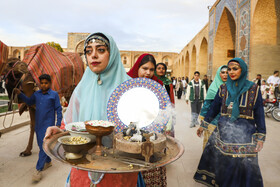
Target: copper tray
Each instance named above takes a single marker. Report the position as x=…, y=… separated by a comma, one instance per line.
x=119, y=162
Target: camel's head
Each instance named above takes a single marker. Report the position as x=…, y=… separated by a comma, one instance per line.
x=14, y=64
x=13, y=72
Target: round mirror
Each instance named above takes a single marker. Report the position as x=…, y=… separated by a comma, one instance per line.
x=138, y=105
x=142, y=101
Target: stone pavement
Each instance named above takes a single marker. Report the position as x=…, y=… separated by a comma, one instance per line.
x=17, y=171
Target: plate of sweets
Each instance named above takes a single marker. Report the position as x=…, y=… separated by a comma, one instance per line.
x=99, y=127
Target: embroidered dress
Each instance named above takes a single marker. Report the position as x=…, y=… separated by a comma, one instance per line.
x=229, y=158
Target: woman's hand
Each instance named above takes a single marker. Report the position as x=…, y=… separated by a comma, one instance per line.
x=259, y=146
x=199, y=131
x=52, y=131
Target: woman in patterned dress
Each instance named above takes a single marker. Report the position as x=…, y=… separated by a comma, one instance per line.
x=230, y=157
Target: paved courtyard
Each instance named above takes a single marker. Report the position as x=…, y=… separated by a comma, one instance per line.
x=17, y=171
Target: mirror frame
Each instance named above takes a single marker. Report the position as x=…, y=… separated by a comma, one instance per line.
x=159, y=91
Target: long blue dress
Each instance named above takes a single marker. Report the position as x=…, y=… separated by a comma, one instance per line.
x=229, y=158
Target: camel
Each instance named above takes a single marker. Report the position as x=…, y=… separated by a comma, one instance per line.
x=18, y=74
x=66, y=70
x=14, y=72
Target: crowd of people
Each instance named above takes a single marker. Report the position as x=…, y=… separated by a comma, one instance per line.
x=105, y=72
x=230, y=110
x=232, y=122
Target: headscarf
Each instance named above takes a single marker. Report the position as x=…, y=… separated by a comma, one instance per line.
x=237, y=87
x=89, y=99
x=164, y=79
x=215, y=85
x=133, y=72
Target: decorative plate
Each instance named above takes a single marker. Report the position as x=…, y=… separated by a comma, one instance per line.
x=163, y=98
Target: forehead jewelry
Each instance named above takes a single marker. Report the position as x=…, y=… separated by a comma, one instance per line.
x=234, y=63
x=94, y=40
x=224, y=69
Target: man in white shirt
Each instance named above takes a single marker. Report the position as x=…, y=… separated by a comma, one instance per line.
x=196, y=94
x=274, y=79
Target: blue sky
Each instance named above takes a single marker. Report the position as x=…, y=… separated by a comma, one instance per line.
x=146, y=25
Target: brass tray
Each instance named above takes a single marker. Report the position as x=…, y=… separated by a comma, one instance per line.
x=114, y=161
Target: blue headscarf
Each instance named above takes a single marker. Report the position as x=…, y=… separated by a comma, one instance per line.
x=89, y=99
x=215, y=85
x=237, y=87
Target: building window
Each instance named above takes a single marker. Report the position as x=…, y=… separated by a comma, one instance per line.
x=124, y=60
x=230, y=53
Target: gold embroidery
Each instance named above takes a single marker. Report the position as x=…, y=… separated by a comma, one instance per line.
x=237, y=155
x=240, y=116
x=201, y=117
x=242, y=147
x=206, y=173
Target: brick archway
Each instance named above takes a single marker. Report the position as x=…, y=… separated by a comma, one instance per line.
x=182, y=68
x=224, y=42
x=265, y=39
x=135, y=58
x=187, y=64
x=193, y=62
x=16, y=54
x=166, y=60
x=203, y=57
x=80, y=47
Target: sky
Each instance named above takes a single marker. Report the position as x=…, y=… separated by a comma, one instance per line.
x=142, y=25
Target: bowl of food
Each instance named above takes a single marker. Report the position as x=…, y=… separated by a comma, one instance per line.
x=74, y=146
x=99, y=127
x=79, y=129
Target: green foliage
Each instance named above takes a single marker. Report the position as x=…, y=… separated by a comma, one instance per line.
x=4, y=98
x=5, y=108
x=55, y=45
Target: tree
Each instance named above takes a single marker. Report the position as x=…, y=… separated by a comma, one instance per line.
x=55, y=45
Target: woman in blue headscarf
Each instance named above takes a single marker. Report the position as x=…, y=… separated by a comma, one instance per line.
x=89, y=100
x=220, y=78
x=230, y=157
